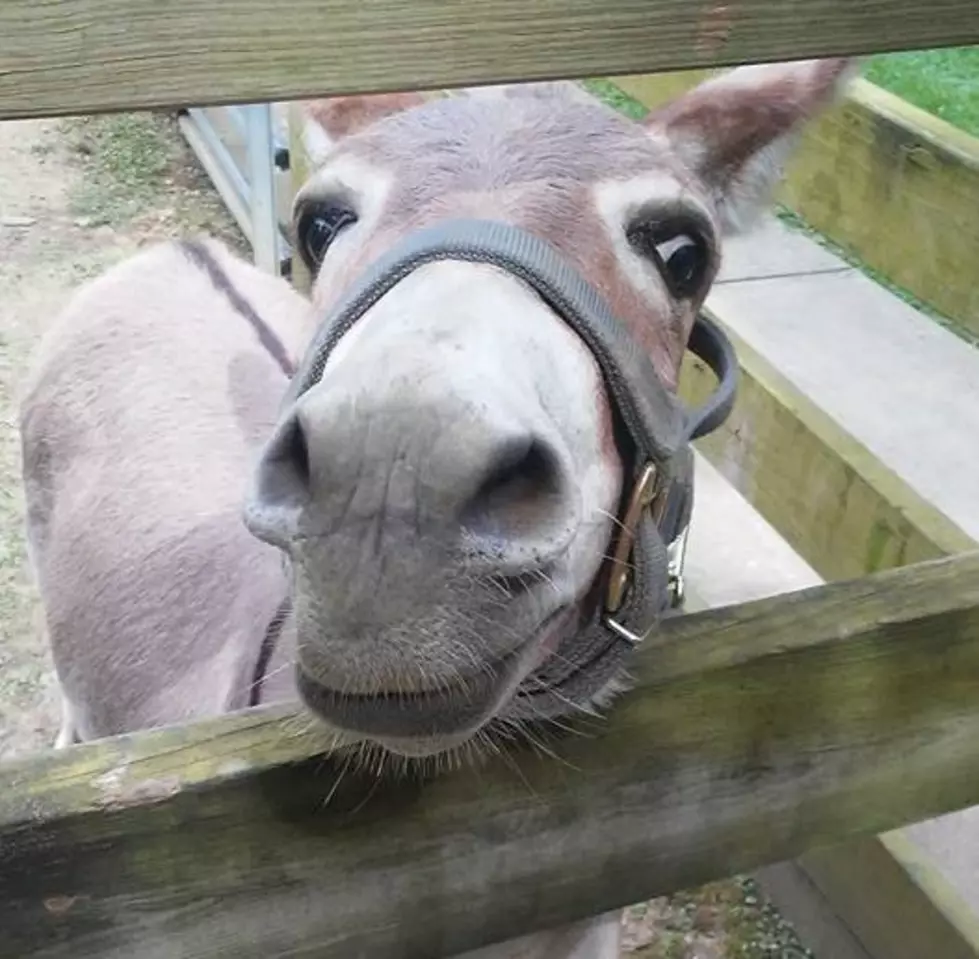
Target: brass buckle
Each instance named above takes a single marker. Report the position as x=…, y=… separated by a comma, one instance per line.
x=620, y=573
x=645, y=495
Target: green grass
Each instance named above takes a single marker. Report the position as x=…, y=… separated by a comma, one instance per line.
x=730, y=919
x=126, y=158
x=611, y=95
x=943, y=82
x=139, y=175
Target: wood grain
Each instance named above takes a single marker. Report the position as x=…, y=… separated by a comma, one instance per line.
x=898, y=187
x=755, y=732
x=79, y=56
x=894, y=899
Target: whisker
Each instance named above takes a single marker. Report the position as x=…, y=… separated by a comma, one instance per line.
x=567, y=727
x=510, y=762
x=339, y=779
x=523, y=729
x=547, y=580
x=253, y=683
x=494, y=579
x=615, y=519
x=584, y=709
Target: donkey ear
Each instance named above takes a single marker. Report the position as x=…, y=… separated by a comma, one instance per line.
x=328, y=121
x=737, y=130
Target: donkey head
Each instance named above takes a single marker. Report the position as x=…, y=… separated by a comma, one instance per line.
x=447, y=487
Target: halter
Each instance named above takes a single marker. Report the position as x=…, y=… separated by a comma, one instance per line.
x=645, y=571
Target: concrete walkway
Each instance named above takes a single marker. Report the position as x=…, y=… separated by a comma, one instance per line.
x=904, y=386
x=898, y=382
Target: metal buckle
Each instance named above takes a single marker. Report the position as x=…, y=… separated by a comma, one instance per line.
x=645, y=495
x=620, y=574
x=677, y=552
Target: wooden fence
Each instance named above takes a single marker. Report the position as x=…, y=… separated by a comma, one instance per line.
x=80, y=56
x=755, y=733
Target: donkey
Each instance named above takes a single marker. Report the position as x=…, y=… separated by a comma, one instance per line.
x=405, y=521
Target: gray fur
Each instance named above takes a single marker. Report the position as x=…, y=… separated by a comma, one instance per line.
x=148, y=402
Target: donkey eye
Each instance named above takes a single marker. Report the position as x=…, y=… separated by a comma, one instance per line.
x=684, y=262
x=681, y=256
x=318, y=226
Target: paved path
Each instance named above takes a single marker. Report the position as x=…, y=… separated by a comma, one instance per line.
x=904, y=386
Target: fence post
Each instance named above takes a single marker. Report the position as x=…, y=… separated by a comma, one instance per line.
x=261, y=176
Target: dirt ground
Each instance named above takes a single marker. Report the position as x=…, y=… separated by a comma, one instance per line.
x=76, y=196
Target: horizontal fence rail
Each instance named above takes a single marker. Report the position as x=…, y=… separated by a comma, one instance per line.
x=755, y=732
x=82, y=56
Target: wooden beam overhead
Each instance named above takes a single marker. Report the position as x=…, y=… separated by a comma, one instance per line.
x=85, y=56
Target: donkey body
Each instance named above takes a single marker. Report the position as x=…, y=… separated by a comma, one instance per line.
x=155, y=595
x=439, y=505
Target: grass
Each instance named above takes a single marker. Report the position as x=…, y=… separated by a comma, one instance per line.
x=612, y=96
x=126, y=159
x=721, y=920
x=138, y=172
x=943, y=82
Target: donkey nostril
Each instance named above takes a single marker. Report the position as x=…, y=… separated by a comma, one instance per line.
x=297, y=453
x=521, y=486
x=521, y=467
x=284, y=475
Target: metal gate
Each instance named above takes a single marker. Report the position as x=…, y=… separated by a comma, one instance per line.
x=245, y=150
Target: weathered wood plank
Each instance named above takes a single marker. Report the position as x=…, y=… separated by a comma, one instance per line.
x=791, y=890
x=755, y=732
x=894, y=899
x=896, y=186
x=77, y=56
